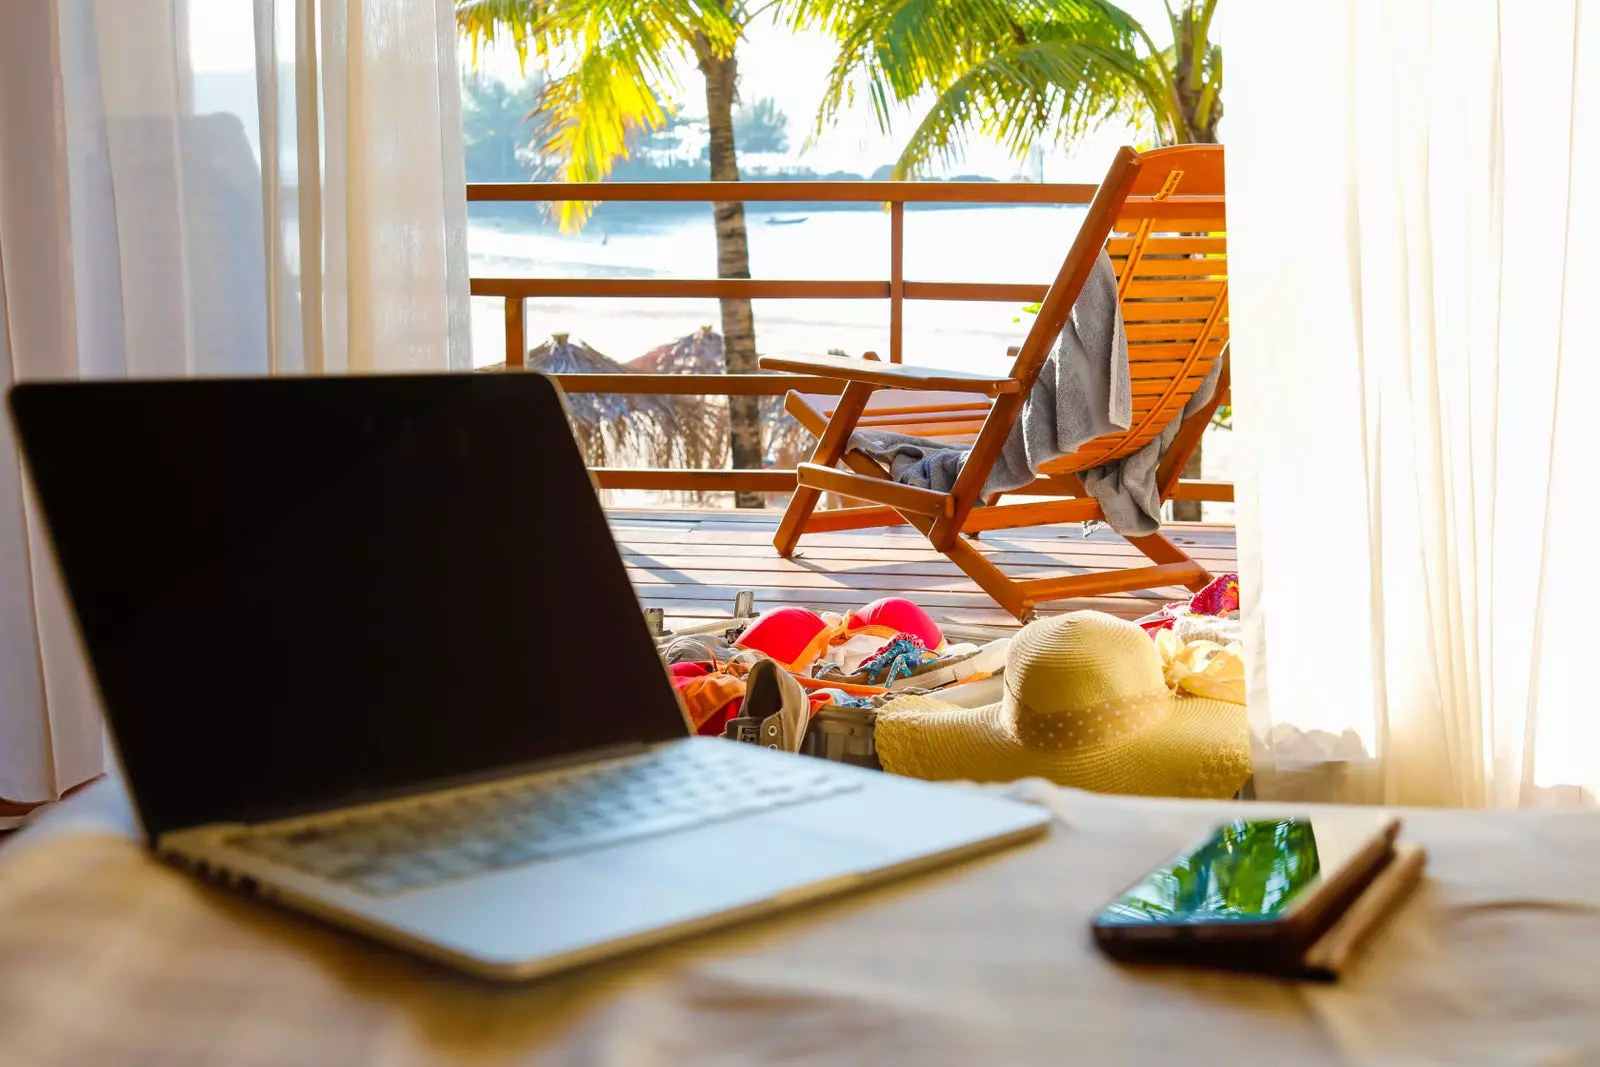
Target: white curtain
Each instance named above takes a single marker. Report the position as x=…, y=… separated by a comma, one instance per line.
x=1414, y=213
x=207, y=187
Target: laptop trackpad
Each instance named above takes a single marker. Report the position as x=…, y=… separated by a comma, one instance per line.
x=567, y=905
x=739, y=862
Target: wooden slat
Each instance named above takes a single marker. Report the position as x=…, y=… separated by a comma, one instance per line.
x=897, y=281
x=696, y=384
x=750, y=528
x=834, y=519
x=1145, y=370
x=760, y=289
x=751, y=192
x=905, y=403
x=1166, y=331
x=868, y=545
x=1161, y=350
x=1211, y=266
x=950, y=417
x=891, y=375
x=680, y=288
x=849, y=560
x=1002, y=292
x=1156, y=386
x=1166, y=310
x=1168, y=246
x=516, y=333
x=901, y=497
x=924, y=425
x=662, y=479
x=1013, y=516
x=1160, y=576
x=1173, y=289
x=1183, y=220
x=1180, y=207
x=805, y=580
x=1219, y=492
x=944, y=608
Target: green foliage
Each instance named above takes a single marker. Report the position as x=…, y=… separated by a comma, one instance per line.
x=1022, y=72
x=1028, y=309
x=612, y=65
x=761, y=127
x=498, y=128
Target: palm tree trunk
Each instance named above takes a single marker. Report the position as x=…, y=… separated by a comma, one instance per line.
x=733, y=261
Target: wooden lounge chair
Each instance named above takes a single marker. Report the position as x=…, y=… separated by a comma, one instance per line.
x=1161, y=217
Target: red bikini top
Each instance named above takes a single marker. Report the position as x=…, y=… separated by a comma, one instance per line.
x=798, y=637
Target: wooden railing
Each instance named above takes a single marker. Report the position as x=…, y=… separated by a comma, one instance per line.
x=895, y=289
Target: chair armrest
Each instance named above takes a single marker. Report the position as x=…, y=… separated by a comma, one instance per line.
x=892, y=375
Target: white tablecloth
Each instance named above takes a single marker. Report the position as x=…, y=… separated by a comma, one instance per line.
x=108, y=958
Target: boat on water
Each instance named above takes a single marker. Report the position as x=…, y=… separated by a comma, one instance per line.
x=787, y=220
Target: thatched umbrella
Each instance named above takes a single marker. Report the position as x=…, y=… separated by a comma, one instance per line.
x=695, y=353
x=785, y=444
x=604, y=423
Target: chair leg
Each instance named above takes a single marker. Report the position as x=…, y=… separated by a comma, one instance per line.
x=989, y=501
x=830, y=446
x=1161, y=550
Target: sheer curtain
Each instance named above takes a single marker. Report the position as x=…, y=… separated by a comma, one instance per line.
x=1413, y=220
x=207, y=187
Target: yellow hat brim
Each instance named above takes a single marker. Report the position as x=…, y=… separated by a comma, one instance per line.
x=1201, y=748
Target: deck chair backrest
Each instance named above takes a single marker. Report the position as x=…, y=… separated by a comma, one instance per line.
x=1169, y=247
x=1054, y=309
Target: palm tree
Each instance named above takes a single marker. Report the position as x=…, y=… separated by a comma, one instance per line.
x=613, y=59
x=1022, y=72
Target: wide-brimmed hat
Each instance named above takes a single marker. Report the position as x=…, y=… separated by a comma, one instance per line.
x=1086, y=704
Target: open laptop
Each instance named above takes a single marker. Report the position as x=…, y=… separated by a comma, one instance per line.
x=368, y=650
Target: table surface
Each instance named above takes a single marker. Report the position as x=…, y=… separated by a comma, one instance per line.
x=109, y=958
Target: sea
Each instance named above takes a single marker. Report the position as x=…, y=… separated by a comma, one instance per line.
x=977, y=244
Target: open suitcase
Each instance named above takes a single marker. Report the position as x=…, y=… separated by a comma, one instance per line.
x=835, y=733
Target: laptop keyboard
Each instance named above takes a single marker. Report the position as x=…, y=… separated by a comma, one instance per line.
x=436, y=839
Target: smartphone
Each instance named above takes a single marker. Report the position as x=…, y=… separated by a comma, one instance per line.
x=1253, y=893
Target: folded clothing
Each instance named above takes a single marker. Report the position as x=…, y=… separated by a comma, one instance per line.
x=710, y=697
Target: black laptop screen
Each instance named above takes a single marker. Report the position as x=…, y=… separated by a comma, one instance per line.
x=301, y=592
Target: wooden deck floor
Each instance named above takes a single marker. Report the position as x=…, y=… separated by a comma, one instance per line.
x=692, y=562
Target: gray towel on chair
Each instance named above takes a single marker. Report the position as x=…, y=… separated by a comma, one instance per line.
x=1084, y=390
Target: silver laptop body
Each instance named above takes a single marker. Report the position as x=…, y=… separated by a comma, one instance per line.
x=368, y=651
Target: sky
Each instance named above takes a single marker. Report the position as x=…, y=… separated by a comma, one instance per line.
x=774, y=62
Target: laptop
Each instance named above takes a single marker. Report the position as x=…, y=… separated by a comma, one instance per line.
x=368, y=650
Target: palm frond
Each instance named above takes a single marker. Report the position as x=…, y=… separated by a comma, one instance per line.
x=1057, y=89
x=610, y=62
x=900, y=49
x=591, y=109
x=536, y=25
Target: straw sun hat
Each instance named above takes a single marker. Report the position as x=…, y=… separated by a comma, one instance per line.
x=1086, y=704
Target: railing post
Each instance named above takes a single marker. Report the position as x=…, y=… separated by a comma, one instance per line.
x=516, y=333
x=897, y=278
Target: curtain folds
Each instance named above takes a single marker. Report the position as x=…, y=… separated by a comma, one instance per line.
x=1411, y=221
x=207, y=187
